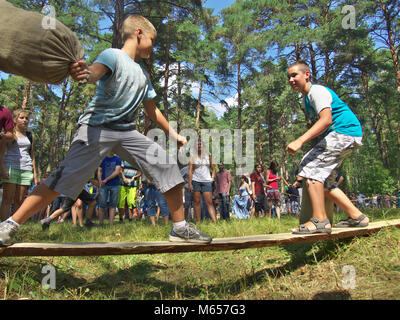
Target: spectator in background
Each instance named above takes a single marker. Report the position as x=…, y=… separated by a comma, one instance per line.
x=188, y=196
x=224, y=180
x=6, y=125
x=153, y=199
x=294, y=197
x=387, y=201
x=374, y=201
x=200, y=181
x=241, y=202
x=127, y=190
x=257, y=190
x=19, y=165
x=75, y=206
x=361, y=199
x=108, y=175
x=273, y=194
x=339, y=179
x=398, y=199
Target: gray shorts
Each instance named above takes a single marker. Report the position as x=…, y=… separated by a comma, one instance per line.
x=322, y=162
x=91, y=145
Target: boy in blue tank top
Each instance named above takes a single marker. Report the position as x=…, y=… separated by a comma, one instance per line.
x=341, y=133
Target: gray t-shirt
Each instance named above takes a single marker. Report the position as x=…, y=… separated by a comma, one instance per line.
x=118, y=94
x=17, y=154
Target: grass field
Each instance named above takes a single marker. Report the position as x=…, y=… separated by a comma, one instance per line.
x=309, y=271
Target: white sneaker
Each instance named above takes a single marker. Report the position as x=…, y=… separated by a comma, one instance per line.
x=7, y=231
x=189, y=233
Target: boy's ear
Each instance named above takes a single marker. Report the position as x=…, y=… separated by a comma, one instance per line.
x=308, y=74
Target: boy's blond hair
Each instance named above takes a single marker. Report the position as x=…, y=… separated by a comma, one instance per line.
x=303, y=66
x=132, y=23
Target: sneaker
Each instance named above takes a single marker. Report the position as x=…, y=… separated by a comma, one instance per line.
x=7, y=231
x=45, y=223
x=189, y=234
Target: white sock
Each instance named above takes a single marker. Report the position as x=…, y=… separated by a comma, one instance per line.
x=179, y=225
x=13, y=222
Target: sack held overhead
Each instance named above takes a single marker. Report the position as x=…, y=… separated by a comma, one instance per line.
x=33, y=50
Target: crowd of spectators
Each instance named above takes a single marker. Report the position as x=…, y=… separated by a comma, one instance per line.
x=120, y=191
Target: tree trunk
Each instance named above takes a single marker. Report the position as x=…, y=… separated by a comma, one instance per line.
x=239, y=89
x=27, y=94
x=327, y=67
x=259, y=149
x=166, y=72
x=179, y=99
x=40, y=143
x=297, y=51
x=269, y=124
x=375, y=121
x=198, y=108
x=313, y=63
x=392, y=47
x=283, y=143
x=118, y=19
x=64, y=102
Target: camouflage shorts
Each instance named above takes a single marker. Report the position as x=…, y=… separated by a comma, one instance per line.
x=321, y=163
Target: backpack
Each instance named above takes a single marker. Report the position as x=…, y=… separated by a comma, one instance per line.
x=30, y=137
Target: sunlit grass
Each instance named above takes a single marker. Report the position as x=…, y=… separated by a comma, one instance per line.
x=308, y=271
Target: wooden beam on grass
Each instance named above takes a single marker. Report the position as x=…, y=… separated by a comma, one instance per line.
x=221, y=244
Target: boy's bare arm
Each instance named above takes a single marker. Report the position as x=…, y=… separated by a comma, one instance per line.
x=323, y=123
x=116, y=172
x=156, y=116
x=213, y=172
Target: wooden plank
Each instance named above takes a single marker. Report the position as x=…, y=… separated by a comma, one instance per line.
x=123, y=248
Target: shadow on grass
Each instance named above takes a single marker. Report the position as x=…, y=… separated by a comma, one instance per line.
x=149, y=287
x=332, y=295
x=143, y=281
x=299, y=256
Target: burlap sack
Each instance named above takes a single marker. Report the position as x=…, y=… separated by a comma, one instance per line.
x=41, y=54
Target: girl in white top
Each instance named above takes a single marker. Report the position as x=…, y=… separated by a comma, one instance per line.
x=200, y=181
x=19, y=163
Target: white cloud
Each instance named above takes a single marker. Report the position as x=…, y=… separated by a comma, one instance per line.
x=216, y=106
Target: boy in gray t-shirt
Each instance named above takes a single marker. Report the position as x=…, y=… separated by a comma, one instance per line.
x=108, y=124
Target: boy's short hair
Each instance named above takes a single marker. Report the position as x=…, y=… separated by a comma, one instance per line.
x=132, y=23
x=301, y=64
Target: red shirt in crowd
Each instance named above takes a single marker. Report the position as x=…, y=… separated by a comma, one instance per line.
x=258, y=186
x=6, y=120
x=223, y=180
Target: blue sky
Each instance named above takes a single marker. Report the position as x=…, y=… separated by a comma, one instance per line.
x=218, y=4
x=207, y=100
